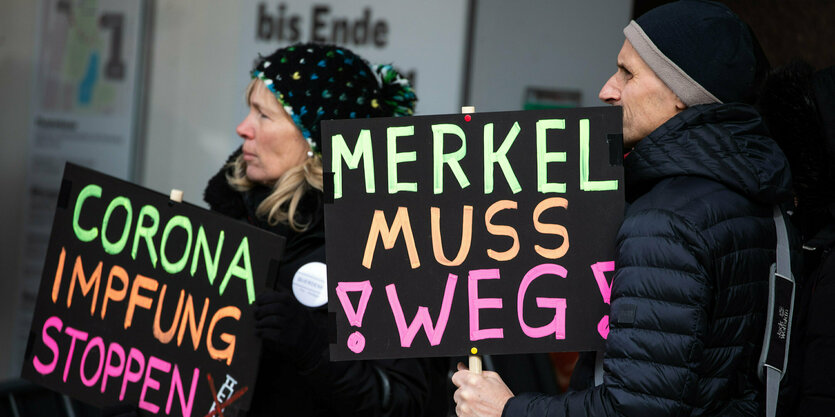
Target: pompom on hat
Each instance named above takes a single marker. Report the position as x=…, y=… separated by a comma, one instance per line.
x=315, y=82
x=701, y=50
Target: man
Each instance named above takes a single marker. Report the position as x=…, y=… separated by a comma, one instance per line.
x=693, y=254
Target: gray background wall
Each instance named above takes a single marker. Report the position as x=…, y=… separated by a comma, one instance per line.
x=566, y=44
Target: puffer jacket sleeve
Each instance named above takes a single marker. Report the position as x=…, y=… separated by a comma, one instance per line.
x=658, y=321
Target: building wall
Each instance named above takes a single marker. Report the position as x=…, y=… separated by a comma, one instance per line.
x=192, y=104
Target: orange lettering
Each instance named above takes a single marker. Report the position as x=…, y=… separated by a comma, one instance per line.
x=167, y=335
x=59, y=272
x=112, y=294
x=86, y=285
x=229, y=351
x=466, y=237
x=554, y=229
x=379, y=227
x=188, y=316
x=139, y=300
x=500, y=230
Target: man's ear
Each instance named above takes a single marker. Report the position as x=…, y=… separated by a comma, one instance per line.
x=680, y=104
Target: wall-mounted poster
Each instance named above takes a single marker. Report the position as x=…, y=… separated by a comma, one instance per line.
x=86, y=103
x=487, y=232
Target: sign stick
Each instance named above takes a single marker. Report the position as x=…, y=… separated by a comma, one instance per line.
x=176, y=195
x=475, y=359
x=91, y=199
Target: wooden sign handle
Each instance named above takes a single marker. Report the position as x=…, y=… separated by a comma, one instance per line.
x=176, y=195
x=475, y=362
x=475, y=358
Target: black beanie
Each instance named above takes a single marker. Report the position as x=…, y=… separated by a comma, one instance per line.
x=701, y=50
x=315, y=82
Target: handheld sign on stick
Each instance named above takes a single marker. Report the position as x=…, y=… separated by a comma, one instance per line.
x=488, y=233
x=475, y=358
x=145, y=299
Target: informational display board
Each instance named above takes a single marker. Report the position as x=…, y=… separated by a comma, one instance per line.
x=146, y=301
x=425, y=40
x=85, y=109
x=487, y=232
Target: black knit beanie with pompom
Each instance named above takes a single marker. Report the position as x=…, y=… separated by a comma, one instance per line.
x=315, y=82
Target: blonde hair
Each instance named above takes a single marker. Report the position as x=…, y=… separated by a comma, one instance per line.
x=283, y=202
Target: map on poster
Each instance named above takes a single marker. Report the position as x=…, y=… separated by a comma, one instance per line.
x=83, y=58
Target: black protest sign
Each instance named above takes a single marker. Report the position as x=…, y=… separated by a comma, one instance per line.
x=490, y=232
x=146, y=301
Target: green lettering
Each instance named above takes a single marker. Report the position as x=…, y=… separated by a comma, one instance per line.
x=393, y=158
x=185, y=223
x=110, y=247
x=543, y=157
x=91, y=190
x=440, y=158
x=585, y=184
x=362, y=150
x=500, y=157
x=211, y=263
x=146, y=232
x=244, y=273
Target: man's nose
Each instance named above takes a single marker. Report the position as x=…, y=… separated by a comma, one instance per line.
x=610, y=93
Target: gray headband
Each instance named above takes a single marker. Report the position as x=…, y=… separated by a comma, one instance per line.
x=687, y=89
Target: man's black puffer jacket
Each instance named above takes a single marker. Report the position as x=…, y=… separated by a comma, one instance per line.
x=690, y=288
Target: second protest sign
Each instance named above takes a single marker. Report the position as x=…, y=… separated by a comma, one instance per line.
x=147, y=301
x=492, y=231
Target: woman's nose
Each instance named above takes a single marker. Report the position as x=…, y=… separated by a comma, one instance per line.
x=244, y=129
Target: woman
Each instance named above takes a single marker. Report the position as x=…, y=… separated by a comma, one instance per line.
x=274, y=181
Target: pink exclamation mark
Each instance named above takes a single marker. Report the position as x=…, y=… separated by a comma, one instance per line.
x=356, y=341
x=605, y=291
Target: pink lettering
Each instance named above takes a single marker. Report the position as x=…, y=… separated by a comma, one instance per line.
x=422, y=318
x=342, y=289
x=75, y=334
x=177, y=383
x=476, y=304
x=603, y=327
x=135, y=356
x=153, y=363
x=109, y=368
x=95, y=342
x=556, y=326
x=605, y=290
x=356, y=342
x=42, y=368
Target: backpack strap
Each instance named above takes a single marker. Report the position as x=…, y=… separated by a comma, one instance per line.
x=775, y=351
